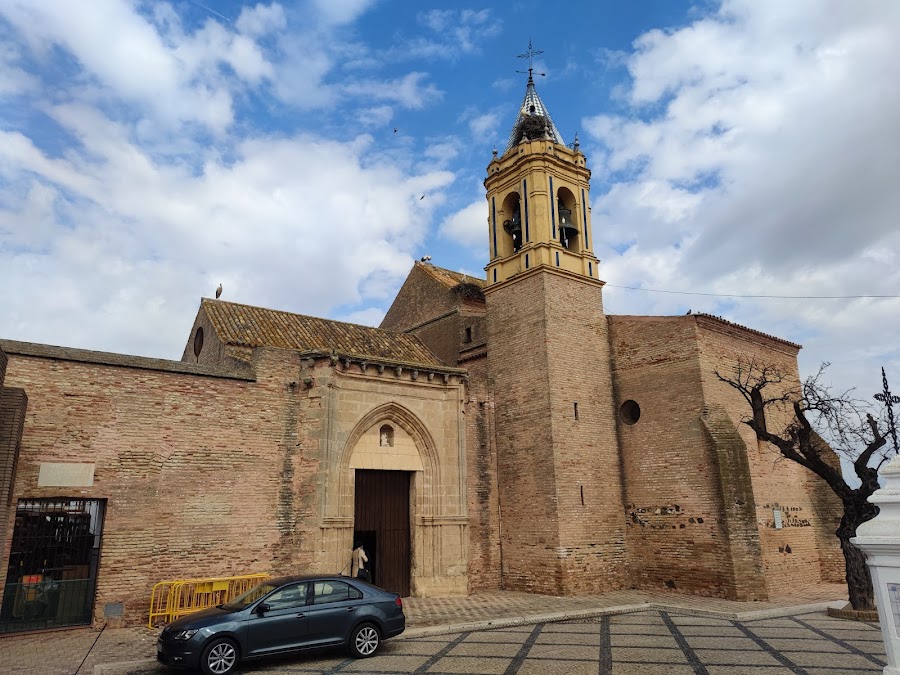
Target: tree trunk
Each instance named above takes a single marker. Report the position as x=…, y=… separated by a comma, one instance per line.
x=859, y=581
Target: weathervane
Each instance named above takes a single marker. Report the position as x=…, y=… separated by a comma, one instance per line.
x=530, y=54
x=889, y=400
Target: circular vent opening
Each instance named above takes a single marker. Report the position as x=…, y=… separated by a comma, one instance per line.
x=630, y=412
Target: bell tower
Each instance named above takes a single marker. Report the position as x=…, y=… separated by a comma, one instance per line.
x=558, y=465
x=537, y=192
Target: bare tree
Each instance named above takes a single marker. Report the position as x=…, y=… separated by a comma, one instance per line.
x=801, y=423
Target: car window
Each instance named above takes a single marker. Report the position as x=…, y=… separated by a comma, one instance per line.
x=333, y=591
x=289, y=596
x=249, y=597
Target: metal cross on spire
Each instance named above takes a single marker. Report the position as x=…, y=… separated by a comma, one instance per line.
x=889, y=400
x=530, y=54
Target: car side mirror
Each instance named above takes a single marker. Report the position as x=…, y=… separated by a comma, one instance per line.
x=261, y=608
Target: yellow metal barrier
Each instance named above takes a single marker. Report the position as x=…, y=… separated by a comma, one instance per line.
x=173, y=599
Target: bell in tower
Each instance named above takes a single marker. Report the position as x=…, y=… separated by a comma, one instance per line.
x=513, y=227
x=567, y=230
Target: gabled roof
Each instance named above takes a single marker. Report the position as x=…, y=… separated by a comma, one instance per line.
x=449, y=278
x=533, y=118
x=247, y=326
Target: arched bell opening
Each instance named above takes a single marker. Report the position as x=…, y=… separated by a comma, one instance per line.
x=512, y=222
x=568, y=225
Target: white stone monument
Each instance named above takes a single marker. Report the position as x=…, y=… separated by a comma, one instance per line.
x=879, y=539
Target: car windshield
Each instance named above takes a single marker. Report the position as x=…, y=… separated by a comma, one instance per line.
x=250, y=596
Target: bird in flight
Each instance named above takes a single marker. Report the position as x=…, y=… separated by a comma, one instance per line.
x=219, y=292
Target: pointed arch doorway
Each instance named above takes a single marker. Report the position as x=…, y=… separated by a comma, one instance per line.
x=381, y=525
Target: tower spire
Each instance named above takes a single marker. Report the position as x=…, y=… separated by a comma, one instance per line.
x=533, y=120
x=530, y=54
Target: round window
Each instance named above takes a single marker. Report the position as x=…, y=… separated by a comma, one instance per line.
x=630, y=412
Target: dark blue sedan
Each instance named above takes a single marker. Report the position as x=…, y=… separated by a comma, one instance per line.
x=283, y=615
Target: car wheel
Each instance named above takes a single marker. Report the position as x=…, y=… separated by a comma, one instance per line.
x=219, y=658
x=364, y=641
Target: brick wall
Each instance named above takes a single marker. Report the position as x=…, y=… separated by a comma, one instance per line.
x=481, y=465
x=690, y=464
x=676, y=531
x=3, y=361
x=213, y=351
x=13, y=405
x=421, y=298
x=560, y=493
x=215, y=472
x=802, y=552
x=186, y=462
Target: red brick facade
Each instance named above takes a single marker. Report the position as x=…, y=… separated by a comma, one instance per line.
x=217, y=470
x=560, y=492
x=550, y=448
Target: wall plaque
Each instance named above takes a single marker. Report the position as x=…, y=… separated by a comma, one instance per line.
x=66, y=474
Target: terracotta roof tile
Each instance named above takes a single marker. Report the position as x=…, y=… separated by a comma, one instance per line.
x=249, y=326
x=449, y=278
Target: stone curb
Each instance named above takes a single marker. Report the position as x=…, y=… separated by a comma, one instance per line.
x=508, y=622
x=847, y=612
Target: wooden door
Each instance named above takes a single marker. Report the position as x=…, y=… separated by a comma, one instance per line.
x=381, y=525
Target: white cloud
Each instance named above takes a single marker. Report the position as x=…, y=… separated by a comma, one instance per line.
x=261, y=19
x=442, y=152
x=364, y=317
x=453, y=33
x=760, y=156
x=330, y=223
x=14, y=80
x=376, y=116
x=484, y=126
x=339, y=11
x=468, y=226
x=409, y=91
x=159, y=67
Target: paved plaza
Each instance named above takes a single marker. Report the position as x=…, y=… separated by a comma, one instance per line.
x=625, y=633
x=645, y=643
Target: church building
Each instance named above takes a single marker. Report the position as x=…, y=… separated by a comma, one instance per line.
x=494, y=433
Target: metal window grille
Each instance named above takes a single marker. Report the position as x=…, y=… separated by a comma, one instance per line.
x=53, y=561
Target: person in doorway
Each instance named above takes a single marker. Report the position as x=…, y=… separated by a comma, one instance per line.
x=358, y=560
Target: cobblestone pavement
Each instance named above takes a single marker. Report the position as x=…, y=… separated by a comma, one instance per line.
x=645, y=643
x=79, y=650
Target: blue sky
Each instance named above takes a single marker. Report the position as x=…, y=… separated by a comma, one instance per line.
x=152, y=150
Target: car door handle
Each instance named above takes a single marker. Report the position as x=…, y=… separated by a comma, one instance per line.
x=351, y=609
x=301, y=615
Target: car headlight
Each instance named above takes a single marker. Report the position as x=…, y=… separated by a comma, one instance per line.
x=185, y=634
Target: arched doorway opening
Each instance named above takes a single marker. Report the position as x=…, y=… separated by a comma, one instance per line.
x=381, y=526
x=385, y=461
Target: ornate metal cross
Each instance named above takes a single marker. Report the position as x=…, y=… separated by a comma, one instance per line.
x=889, y=400
x=530, y=54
